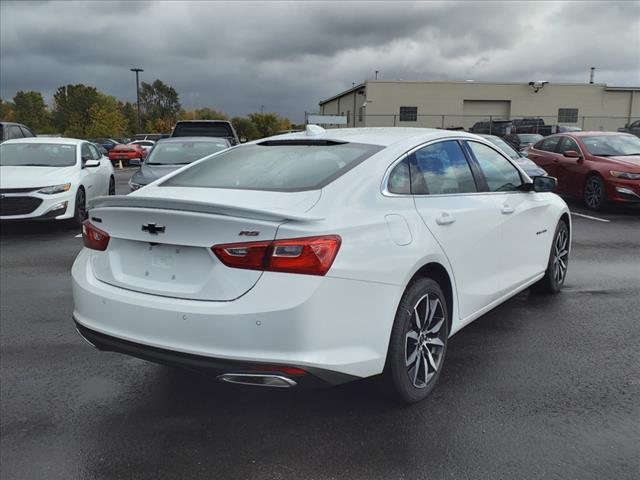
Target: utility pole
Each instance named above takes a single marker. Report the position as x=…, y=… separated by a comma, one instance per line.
x=261, y=109
x=377, y=72
x=592, y=72
x=138, y=70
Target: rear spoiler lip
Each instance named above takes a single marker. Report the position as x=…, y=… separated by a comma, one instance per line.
x=126, y=201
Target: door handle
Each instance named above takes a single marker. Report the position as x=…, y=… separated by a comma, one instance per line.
x=507, y=209
x=445, y=219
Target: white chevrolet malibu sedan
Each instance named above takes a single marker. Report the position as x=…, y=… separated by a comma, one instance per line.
x=51, y=178
x=319, y=257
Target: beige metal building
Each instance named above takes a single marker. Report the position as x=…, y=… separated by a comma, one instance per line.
x=461, y=104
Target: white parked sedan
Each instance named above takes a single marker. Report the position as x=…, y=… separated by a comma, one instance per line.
x=51, y=178
x=319, y=257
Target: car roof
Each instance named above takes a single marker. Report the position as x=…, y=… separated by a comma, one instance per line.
x=203, y=121
x=191, y=139
x=592, y=133
x=383, y=136
x=53, y=140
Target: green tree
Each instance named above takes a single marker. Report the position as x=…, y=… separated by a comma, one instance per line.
x=269, y=124
x=245, y=129
x=131, y=118
x=30, y=109
x=106, y=119
x=6, y=111
x=71, y=114
x=159, y=104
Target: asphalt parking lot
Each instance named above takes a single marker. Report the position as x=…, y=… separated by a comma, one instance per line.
x=542, y=387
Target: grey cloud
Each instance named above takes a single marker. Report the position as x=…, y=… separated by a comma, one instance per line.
x=287, y=56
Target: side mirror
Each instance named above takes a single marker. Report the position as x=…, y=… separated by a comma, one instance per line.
x=571, y=154
x=91, y=163
x=544, y=184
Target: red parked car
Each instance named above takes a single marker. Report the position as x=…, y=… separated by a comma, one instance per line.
x=126, y=153
x=600, y=167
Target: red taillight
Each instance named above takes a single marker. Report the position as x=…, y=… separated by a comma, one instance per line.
x=93, y=237
x=311, y=255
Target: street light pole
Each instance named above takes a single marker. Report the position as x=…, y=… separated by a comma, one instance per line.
x=138, y=70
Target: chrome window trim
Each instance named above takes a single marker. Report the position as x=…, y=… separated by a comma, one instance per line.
x=385, y=179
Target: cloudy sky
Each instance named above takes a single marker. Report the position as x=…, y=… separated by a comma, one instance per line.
x=287, y=56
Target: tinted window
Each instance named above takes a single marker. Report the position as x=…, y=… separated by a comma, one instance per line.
x=85, y=152
x=549, y=144
x=94, y=152
x=26, y=132
x=400, y=180
x=568, y=144
x=181, y=153
x=14, y=132
x=441, y=168
x=278, y=167
x=500, y=174
x=37, y=154
x=202, y=129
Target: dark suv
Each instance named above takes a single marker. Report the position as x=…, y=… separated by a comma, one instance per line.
x=206, y=128
x=494, y=127
x=10, y=130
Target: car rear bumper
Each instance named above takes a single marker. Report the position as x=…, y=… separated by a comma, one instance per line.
x=216, y=367
x=314, y=323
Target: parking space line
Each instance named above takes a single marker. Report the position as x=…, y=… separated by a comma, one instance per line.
x=590, y=217
x=78, y=236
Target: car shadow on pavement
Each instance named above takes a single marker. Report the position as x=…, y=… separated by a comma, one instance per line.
x=13, y=229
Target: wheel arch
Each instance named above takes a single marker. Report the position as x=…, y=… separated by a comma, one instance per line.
x=437, y=272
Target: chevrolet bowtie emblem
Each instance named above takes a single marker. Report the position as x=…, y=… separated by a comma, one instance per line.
x=153, y=229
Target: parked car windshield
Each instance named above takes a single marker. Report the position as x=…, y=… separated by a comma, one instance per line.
x=37, y=155
x=275, y=166
x=178, y=153
x=612, y=145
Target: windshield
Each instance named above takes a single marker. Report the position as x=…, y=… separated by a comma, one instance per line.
x=37, y=155
x=276, y=167
x=529, y=137
x=612, y=145
x=177, y=153
x=504, y=146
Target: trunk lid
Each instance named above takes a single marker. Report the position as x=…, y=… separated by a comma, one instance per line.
x=177, y=261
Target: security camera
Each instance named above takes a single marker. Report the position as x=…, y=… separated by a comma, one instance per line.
x=537, y=85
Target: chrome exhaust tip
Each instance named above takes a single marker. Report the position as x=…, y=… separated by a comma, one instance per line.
x=258, y=380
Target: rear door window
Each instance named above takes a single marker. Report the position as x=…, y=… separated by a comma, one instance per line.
x=275, y=166
x=14, y=132
x=26, y=132
x=441, y=168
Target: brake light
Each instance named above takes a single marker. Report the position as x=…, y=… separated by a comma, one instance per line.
x=93, y=237
x=310, y=255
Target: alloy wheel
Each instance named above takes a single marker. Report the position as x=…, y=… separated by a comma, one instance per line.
x=560, y=256
x=593, y=193
x=424, y=342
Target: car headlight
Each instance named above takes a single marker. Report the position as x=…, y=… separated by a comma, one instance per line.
x=626, y=175
x=55, y=189
x=135, y=186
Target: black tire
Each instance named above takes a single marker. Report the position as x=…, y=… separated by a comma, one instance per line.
x=558, y=263
x=595, y=193
x=401, y=377
x=80, y=208
x=112, y=186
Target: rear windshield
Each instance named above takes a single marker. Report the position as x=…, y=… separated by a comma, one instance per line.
x=284, y=168
x=177, y=153
x=37, y=155
x=202, y=129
